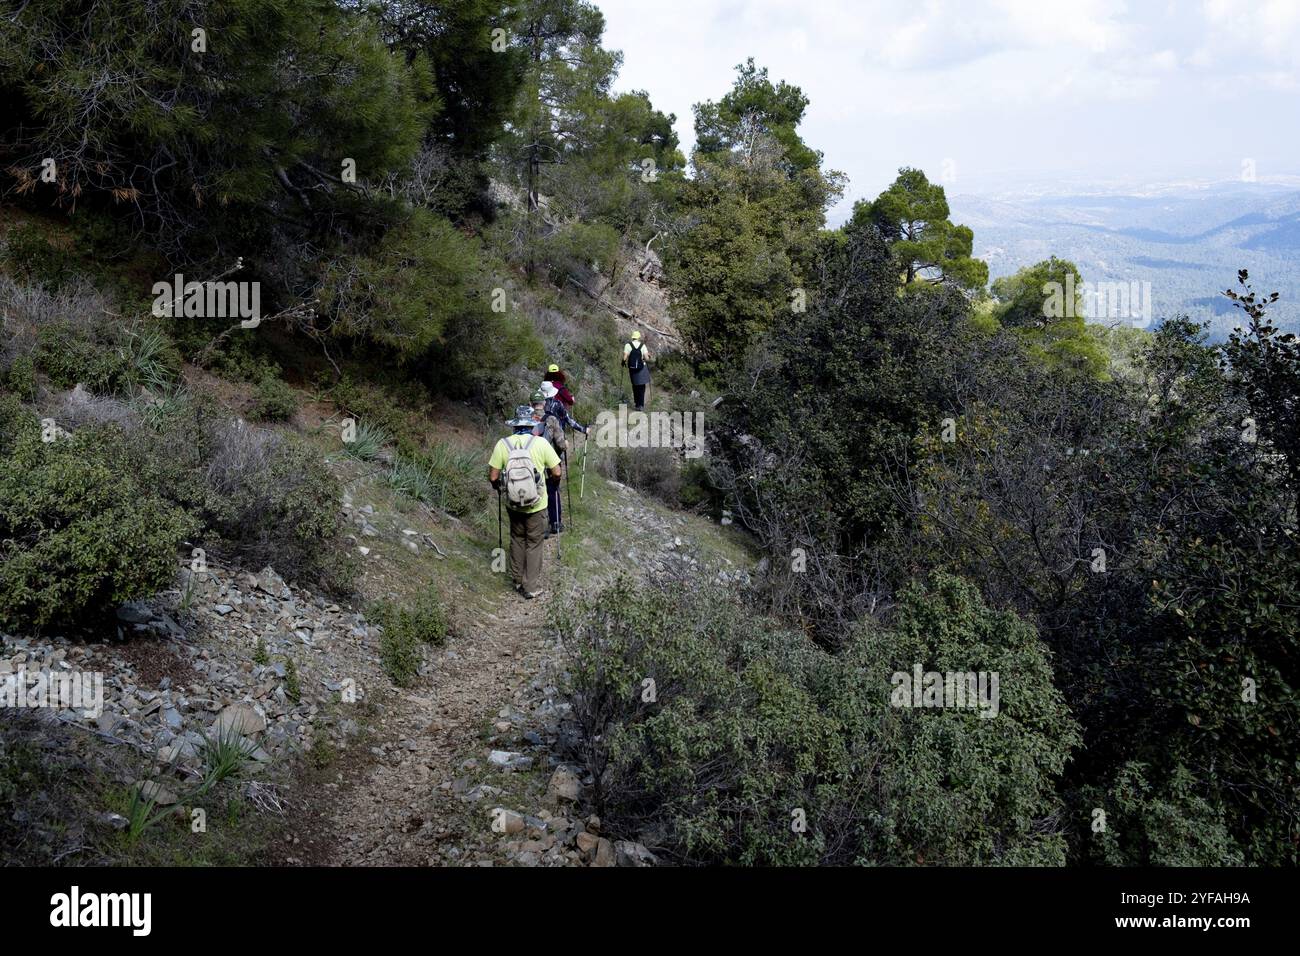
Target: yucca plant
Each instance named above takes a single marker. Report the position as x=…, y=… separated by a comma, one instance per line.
x=224, y=755
x=148, y=359
x=140, y=815
x=367, y=443
x=411, y=478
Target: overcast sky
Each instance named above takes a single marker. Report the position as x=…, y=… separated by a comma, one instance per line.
x=990, y=95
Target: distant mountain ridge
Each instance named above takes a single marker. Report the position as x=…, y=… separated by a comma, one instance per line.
x=1186, y=240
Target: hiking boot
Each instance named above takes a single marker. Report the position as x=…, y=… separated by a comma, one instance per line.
x=531, y=595
x=559, y=528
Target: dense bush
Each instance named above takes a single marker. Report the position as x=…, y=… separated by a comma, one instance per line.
x=20, y=377
x=259, y=496
x=69, y=355
x=1157, y=822
x=577, y=247
x=274, y=401
x=104, y=357
x=78, y=536
x=443, y=478
x=408, y=292
x=28, y=255
x=745, y=724
x=655, y=471
x=192, y=142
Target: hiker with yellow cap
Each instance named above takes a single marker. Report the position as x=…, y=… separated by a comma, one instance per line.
x=637, y=357
x=515, y=471
x=557, y=426
x=561, y=382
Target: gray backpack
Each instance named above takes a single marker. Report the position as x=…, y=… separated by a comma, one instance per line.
x=555, y=435
x=523, y=482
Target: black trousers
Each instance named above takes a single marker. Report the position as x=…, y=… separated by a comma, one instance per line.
x=638, y=396
x=553, y=515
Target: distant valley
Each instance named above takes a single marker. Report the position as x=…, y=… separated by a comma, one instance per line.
x=1186, y=240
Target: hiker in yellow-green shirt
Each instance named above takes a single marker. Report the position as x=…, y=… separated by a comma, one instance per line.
x=516, y=470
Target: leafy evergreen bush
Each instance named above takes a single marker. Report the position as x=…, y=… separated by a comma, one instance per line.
x=748, y=728
x=274, y=401
x=77, y=535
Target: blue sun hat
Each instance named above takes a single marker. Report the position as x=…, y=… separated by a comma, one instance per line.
x=523, y=416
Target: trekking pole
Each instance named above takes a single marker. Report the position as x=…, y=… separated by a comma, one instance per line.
x=568, y=484
x=582, y=481
x=499, y=545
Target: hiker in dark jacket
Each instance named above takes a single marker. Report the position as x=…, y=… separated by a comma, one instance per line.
x=637, y=358
x=557, y=424
x=557, y=378
x=553, y=404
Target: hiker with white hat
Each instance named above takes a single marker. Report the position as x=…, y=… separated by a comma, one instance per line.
x=515, y=471
x=557, y=423
x=637, y=357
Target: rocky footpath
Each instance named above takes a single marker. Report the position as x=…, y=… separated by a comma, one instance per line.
x=463, y=780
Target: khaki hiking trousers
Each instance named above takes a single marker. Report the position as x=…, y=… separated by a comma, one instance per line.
x=526, y=534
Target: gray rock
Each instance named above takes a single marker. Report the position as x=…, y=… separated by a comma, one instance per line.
x=268, y=582
x=134, y=613
x=107, y=723
x=605, y=855
x=241, y=718
x=627, y=853
x=506, y=821
x=157, y=793
x=564, y=785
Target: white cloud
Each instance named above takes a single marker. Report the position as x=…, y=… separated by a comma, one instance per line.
x=996, y=84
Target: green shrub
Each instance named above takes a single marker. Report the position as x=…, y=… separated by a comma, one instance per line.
x=105, y=358
x=77, y=535
x=71, y=354
x=274, y=401
x=407, y=629
x=396, y=406
x=260, y=496
x=243, y=356
x=149, y=359
x=269, y=498
x=368, y=441
x=655, y=471
x=576, y=247
x=20, y=378
x=425, y=295
x=406, y=293
x=14, y=422
x=960, y=789
x=1149, y=823
x=28, y=255
x=748, y=729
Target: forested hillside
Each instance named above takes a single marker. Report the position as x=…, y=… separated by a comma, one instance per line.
x=916, y=478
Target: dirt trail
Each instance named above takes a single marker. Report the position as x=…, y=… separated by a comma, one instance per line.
x=420, y=791
x=399, y=811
